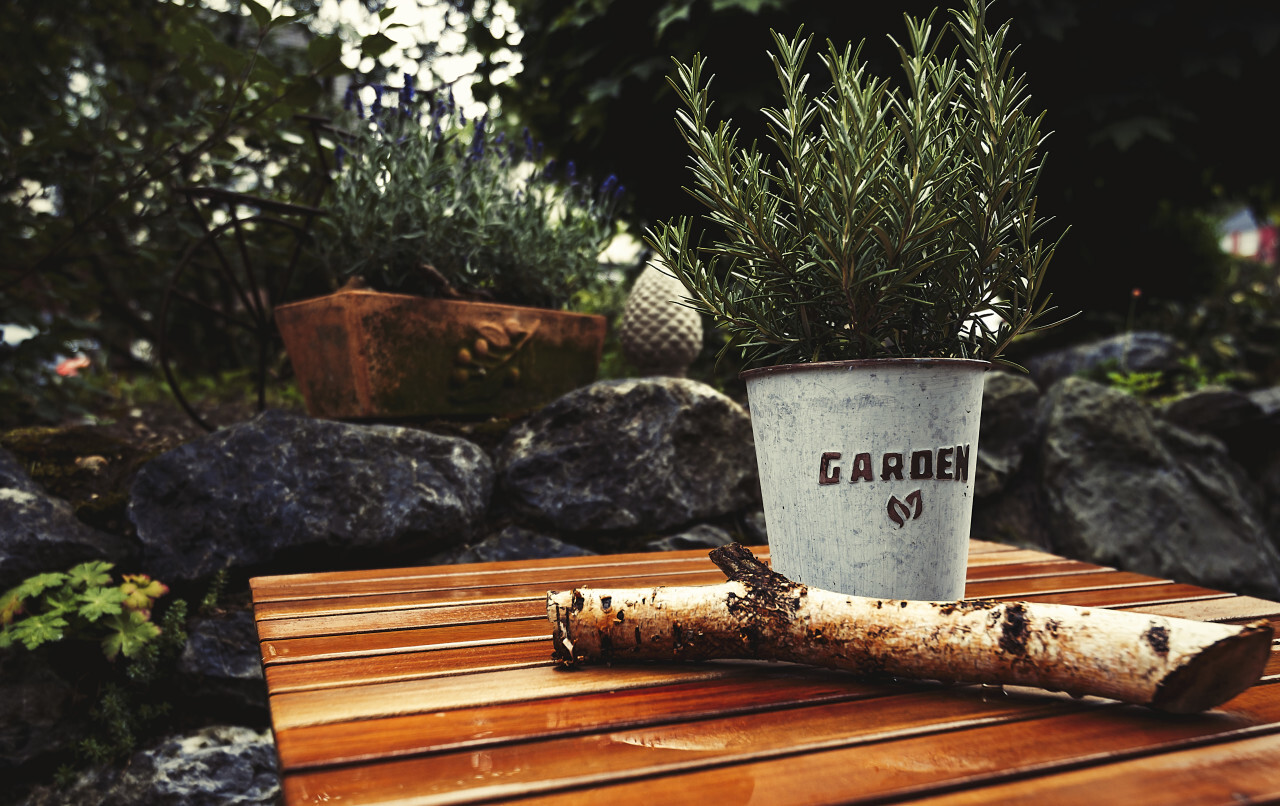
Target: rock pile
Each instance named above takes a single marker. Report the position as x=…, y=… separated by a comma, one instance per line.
x=1188, y=491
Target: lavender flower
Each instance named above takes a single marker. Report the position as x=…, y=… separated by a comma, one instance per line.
x=351, y=100
x=407, y=93
x=477, y=139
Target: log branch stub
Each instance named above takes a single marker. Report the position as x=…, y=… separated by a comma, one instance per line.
x=1171, y=664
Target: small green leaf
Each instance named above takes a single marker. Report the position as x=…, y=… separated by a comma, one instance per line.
x=41, y=629
x=90, y=574
x=130, y=632
x=375, y=45
x=324, y=50
x=61, y=600
x=749, y=6
x=260, y=13
x=678, y=12
x=99, y=602
x=38, y=584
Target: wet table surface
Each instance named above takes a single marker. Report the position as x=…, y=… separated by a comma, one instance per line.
x=435, y=685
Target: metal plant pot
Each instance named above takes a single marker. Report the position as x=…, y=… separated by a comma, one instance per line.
x=362, y=354
x=867, y=468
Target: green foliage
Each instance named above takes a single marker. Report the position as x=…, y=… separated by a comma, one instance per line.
x=429, y=203
x=128, y=708
x=888, y=224
x=212, y=596
x=106, y=107
x=1158, y=386
x=130, y=698
x=82, y=603
x=1138, y=384
x=1234, y=330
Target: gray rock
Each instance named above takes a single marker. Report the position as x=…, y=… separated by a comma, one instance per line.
x=640, y=455
x=223, y=647
x=512, y=543
x=1017, y=515
x=1251, y=434
x=754, y=527
x=1269, y=482
x=1214, y=410
x=38, y=714
x=1125, y=489
x=1009, y=405
x=702, y=536
x=216, y=766
x=281, y=484
x=222, y=659
x=1143, y=351
x=1268, y=400
x=40, y=533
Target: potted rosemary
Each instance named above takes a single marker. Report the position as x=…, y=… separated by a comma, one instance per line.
x=872, y=267
x=460, y=248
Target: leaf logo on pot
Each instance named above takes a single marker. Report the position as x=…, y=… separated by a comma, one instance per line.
x=902, y=511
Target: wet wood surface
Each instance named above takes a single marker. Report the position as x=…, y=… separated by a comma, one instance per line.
x=435, y=686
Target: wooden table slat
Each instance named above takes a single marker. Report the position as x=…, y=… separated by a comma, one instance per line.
x=892, y=745
x=569, y=569
x=291, y=710
x=1240, y=772
x=502, y=590
x=504, y=723
x=362, y=670
x=914, y=766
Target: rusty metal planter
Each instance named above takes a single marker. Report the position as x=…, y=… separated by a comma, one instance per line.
x=362, y=354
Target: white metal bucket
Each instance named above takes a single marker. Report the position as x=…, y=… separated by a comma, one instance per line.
x=867, y=471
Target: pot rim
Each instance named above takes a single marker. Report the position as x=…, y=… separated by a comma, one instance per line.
x=370, y=292
x=865, y=363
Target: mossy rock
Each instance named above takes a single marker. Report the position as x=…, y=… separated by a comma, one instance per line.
x=83, y=465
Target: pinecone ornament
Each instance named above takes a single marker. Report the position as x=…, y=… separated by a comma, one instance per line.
x=658, y=335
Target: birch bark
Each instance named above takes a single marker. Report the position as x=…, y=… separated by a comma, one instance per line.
x=1170, y=664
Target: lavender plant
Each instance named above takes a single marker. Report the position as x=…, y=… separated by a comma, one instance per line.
x=888, y=222
x=427, y=202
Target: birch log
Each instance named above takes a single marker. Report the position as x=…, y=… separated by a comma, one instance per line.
x=1170, y=664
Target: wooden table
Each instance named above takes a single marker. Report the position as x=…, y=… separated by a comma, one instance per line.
x=434, y=685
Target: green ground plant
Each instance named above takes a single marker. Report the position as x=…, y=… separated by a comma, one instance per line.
x=84, y=603
x=86, y=607
x=1159, y=386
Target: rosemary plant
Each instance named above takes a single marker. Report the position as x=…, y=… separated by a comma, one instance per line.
x=427, y=202
x=890, y=221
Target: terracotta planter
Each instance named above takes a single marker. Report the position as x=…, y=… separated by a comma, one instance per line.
x=368, y=354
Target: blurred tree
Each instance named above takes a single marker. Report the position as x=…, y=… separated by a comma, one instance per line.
x=108, y=106
x=1156, y=110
